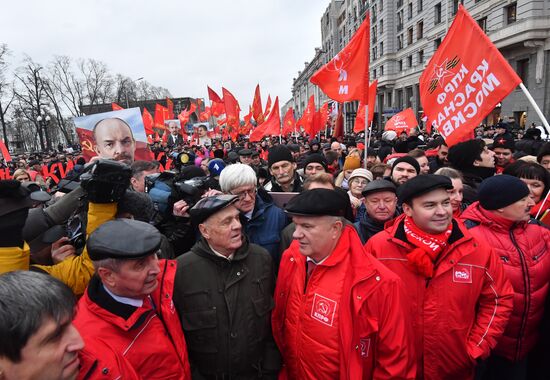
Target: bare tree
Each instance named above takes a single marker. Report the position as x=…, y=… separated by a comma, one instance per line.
x=97, y=81
x=6, y=94
x=64, y=84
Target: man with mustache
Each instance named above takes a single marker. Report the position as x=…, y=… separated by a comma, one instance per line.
x=282, y=168
x=114, y=139
x=128, y=306
x=457, y=292
x=223, y=295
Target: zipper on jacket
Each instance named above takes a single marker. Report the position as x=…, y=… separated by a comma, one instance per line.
x=527, y=286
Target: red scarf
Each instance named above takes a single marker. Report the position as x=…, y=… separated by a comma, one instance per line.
x=428, y=247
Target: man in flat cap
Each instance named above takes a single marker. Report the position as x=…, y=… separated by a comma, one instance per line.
x=224, y=288
x=282, y=168
x=339, y=313
x=245, y=156
x=128, y=304
x=458, y=294
x=380, y=200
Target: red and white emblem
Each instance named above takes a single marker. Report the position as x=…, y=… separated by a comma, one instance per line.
x=323, y=309
x=364, y=345
x=462, y=273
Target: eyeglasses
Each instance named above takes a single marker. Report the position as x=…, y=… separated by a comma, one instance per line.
x=242, y=195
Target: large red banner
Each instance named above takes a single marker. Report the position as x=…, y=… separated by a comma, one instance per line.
x=464, y=81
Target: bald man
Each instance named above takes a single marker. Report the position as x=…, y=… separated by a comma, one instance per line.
x=114, y=139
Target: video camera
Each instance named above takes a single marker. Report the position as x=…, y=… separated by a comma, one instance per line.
x=168, y=187
x=106, y=181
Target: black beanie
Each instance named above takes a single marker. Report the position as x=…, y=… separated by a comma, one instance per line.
x=318, y=158
x=279, y=153
x=408, y=160
x=500, y=191
x=462, y=155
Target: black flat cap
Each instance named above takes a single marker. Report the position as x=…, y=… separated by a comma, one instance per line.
x=13, y=197
x=123, y=239
x=421, y=185
x=318, y=202
x=378, y=186
x=245, y=152
x=208, y=206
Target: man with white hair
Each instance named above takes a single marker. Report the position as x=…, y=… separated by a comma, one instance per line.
x=263, y=220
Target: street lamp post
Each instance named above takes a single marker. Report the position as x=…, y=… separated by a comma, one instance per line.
x=126, y=88
x=43, y=120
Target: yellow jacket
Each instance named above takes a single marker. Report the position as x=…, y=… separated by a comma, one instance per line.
x=76, y=271
x=14, y=258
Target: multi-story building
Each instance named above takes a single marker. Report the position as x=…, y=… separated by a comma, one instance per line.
x=406, y=33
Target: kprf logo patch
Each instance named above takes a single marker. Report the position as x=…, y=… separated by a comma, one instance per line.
x=323, y=309
x=462, y=273
x=364, y=346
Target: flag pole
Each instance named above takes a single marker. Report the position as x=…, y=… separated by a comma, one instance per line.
x=536, y=107
x=542, y=204
x=366, y=132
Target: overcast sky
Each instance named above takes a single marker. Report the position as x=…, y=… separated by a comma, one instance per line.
x=177, y=44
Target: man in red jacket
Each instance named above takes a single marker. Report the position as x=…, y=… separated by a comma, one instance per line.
x=339, y=313
x=459, y=297
x=127, y=308
x=502, y=219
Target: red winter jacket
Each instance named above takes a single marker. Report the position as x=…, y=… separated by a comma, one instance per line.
x=524, y=250
x=459, y=314
x=137, y=336
x=375, y=335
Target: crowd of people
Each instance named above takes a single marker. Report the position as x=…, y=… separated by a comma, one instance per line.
x=290, y=258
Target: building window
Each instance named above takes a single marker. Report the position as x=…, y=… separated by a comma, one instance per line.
x=400, y=65
x=409, y=36
x=410, y=61
x=381, y=26
x=400, y=20
x=374, y=13
x=381, y=5
x=388, y=99
x=381, y=48
x=419, y=30
x=419, y=6
x=374, y=73
x=523, y=70
x=511, y=11
x=381, y=70
x=482, y=22
x=456, y=4
x=410, y=11
x=399, y=3
x=437, y=13
x=374, y=53
x=437, y=42
x=400, y=42
x=421, y=57
x=374, y=34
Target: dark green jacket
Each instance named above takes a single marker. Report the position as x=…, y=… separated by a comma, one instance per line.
x=225, y=311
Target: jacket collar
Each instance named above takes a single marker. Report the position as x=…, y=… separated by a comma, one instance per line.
x=202, y=249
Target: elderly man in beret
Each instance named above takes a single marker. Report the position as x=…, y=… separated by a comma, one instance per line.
x=128, y=304
x=380, y=200
x=224, y=297
x=458, y=294
x=339, y=313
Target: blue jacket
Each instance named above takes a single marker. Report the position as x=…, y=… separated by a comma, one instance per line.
x=265, y=226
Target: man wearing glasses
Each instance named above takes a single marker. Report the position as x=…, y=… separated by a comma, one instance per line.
x=263, y=221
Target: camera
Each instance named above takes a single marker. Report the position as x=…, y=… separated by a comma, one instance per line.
x=105, y=181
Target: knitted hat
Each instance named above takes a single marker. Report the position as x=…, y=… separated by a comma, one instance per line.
x=363, y=173
x=279, y=153
x=492, y=196
x=318, y=158
x=409, y=160
x=352, y=163
x=462, y=155
x=389, y=136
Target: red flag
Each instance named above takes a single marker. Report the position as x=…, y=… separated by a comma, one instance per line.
x=217, y=109
x=4, y=151
x=257, y=106
x=147, y=122
x=204, y=116
x=306, y=121
x=170, y=107
x=346, y=76
x=360, y=118
x=214, y=98
x=359, y=125
x=320, y=119
x=402, y=122
x=232, y=109
x=267, y=106
x=464, y=81
x=271, y=127
x=116, y=107
x=289, y=123
x=339, y=124
x=161, y=114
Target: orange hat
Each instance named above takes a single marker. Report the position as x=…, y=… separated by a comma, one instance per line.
x=352, y=163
